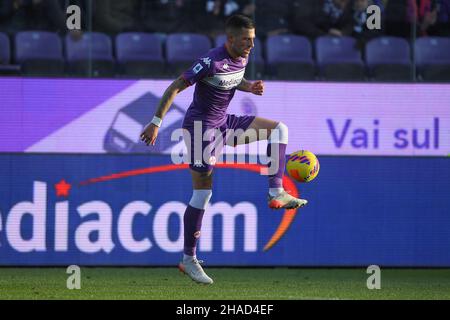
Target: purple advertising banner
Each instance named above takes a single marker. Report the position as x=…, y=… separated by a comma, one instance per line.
x=107, y=116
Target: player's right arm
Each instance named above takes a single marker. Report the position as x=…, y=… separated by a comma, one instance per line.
x=151, y=130
x=201, y=69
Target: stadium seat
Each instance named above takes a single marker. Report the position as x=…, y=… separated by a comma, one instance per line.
x=339, y=59
x=290, y=57
x=182, y=49
x=255, y=68
x=5, y=57
x=389, y=59
x=140, y=54
x=432, y=55
x=90, y=56
x=39, y=53
x=5, y=50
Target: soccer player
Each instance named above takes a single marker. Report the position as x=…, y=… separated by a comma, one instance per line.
x=217, y=75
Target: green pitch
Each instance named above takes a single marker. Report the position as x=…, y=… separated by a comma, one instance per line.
x=230, y=283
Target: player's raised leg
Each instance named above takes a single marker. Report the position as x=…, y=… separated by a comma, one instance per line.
x=202, y=183
x=276, y=151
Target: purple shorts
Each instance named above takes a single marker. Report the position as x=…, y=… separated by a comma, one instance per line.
x=212, y=140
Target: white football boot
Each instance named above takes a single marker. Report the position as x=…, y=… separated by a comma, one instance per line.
x=285, y=201
x=194, y=270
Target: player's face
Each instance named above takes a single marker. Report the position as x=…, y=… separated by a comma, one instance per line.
x=242, y=42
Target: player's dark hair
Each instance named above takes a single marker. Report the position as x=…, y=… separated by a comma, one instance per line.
x=238, y=22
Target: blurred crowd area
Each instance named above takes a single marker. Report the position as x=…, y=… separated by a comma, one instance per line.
x=407, y=19
x=312, y=18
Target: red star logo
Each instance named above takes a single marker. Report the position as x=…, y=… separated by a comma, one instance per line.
x=62, y=188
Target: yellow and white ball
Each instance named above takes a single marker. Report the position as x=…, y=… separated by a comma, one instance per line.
x=302, y=166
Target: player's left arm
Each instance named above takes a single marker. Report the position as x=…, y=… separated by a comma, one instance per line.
x=256, y=87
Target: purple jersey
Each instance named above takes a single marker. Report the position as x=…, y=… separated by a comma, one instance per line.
x=216, y=76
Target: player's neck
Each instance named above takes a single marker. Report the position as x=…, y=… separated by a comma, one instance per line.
x=231, y=52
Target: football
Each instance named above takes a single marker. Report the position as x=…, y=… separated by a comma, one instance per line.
x=302, y=166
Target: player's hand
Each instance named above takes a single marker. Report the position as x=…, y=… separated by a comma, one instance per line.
x=257, y=88
x=148, y=136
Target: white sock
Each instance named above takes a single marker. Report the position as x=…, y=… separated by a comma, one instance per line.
x=279, y=134
x=275, y=191
x=187, y=258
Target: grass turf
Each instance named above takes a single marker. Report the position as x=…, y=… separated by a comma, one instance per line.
x=230, y=283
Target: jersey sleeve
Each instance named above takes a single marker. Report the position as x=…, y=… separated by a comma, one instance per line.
x=201, y=68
